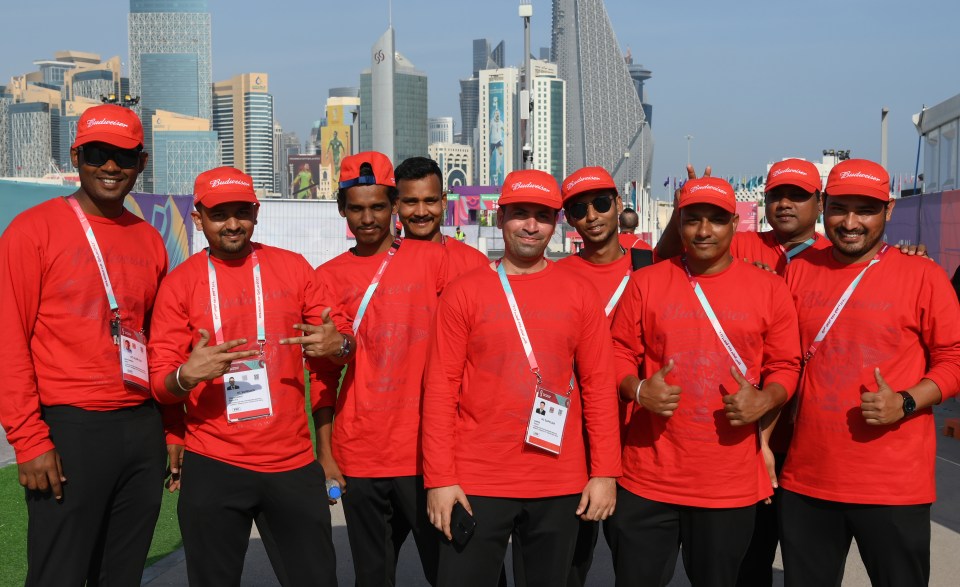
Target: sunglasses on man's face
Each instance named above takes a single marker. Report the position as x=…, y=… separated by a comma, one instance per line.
x=97, y=155
x=579, y=210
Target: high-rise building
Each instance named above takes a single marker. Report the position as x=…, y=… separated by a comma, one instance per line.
x=170, y=65
x=243, y=120
x=5, y=101
x=440, y=130
x=605, y=117
x=30, y=138
x=483, y=58
x=497, y=129
x=279, y=160
x=455, y=163
x=548, y=120
x=393, y=104
x=183, y=148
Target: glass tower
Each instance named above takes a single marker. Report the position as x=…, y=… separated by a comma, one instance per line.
x=170, y=63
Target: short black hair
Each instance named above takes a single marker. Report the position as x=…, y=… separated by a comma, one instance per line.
x=365, y=169
x=629, y=218
x=417, y=168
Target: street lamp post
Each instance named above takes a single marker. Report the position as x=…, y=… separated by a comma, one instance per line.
x=689, y=138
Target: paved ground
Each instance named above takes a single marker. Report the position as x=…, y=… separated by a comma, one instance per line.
x=945, y=561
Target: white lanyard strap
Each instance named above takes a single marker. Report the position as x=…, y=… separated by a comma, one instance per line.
x=362, y=310
x=97, y=255
x=616, y=295
x=712, y=316
x=835, y=313
x=518, y=319
x=258, y=295
x=797, y=249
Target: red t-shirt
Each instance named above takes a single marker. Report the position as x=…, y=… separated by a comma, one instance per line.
x=377, y=422
x=904, y=318
x=280, y=442
x=462, y=258
x=607, y=278
x=696, y=458
x=765, y=248
x=632, y=241
x=55, y=317
x=479, y=390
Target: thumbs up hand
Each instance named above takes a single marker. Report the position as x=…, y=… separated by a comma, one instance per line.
x=747, y=404
x=657, y=396
x=883, y=406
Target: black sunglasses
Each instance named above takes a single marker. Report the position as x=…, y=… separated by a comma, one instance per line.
x=601, y=204
x=96, y=155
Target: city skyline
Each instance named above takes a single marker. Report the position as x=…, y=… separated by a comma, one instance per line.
x=751, y=84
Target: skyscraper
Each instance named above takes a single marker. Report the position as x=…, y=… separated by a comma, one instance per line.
x=393, y=104
x=183, y=148
x=548, y=119
x=243, y=120
x=640, y=74
x=440, y=130
x=605, y=118
x=483, y=58
x=170, y=65
x=496, y=128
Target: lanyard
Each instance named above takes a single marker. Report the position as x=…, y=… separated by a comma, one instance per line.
x=373, y=284
x=724, y=339
x=215, y=301
x=835, y=313
x=95, y=248
x=797, y=249
x=518, y=319
x=616, y=295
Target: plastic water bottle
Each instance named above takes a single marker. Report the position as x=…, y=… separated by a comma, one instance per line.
x=333, y=489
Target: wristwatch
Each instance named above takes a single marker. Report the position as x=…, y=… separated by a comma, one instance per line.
x=909, y=404
x=344, y=347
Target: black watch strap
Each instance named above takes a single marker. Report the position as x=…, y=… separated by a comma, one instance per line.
x=909, y=404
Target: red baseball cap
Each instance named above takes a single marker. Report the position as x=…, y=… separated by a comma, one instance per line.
x=587, y=179
x=530, y=186
x=111, y=124
x=859, y=177
x=380, y=163
x=223, y=184
x=709, y=190
x=798, y=172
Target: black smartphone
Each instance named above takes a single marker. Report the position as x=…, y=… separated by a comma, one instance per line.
x=462, y=525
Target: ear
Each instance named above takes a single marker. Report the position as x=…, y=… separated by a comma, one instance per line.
x=256, y=213
x=890, y=206
x=619, y=206
x=196, y=220
x=736, y=222
x=143, y=162
x=75, y=158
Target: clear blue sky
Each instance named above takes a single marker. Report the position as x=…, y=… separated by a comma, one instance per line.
x=753, y=81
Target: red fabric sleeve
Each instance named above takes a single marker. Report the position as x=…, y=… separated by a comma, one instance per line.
x=171, y=338
x=446, y=361
x=21, y=275
x=940, y=322
x=594, y=367
x=627, y=333
x=781, y=345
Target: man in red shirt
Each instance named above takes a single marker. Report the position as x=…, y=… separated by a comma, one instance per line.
x=78, y=278
x=591, y=205
x=861, y=461
x=248, y=451
x=629, y=221
x=387, y=289
x=499, y=347
x=421, y=203
x=717, y=352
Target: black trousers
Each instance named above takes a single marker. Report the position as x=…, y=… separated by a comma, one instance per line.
x=587, y=536
x=219, y=502
x=100, y=532
x=544, y=533
x=645, y=537
x=756, y=570
x=815, y=534
x=381, y=513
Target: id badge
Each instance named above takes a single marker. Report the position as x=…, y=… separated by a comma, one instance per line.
x=133, y=359
x=247, y=390
x=547, y=420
